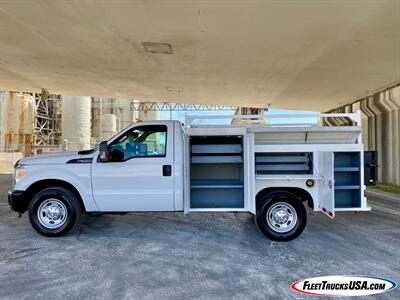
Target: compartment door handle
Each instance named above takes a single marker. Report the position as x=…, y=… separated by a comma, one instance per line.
x=167, y=170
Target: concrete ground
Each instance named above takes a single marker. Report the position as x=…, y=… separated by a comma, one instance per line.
x=209, y=255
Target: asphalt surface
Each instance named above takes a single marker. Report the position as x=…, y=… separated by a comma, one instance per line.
x=203, y=255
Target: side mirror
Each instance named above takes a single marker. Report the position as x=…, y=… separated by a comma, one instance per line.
x=104, y=152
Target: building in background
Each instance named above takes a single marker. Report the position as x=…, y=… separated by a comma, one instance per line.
x=36, y=123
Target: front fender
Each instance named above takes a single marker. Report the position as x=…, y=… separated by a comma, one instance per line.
x=78, y=175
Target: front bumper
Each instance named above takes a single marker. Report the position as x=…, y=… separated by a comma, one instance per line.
x=17, y=201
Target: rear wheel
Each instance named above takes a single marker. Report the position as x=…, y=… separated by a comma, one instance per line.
x=281, y=216
x=54, y=211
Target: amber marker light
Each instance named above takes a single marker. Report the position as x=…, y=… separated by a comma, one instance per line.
x=20, y=173
x=310, y=182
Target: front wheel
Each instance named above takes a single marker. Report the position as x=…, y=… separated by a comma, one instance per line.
x=54, y=211
x=281, y=216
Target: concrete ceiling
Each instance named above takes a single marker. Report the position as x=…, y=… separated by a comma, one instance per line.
x=312, y=55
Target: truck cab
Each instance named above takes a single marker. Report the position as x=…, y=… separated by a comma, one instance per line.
x=272, y=172
x=143, y=170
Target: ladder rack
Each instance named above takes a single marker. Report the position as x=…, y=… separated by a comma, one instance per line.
x=189, y=120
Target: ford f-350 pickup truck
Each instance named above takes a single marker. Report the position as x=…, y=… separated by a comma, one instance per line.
x=270, y=171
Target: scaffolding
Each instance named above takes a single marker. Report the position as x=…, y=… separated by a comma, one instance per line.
x=165, y=106
x=47, y=130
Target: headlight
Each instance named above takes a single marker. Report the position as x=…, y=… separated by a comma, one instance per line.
x=19, y=172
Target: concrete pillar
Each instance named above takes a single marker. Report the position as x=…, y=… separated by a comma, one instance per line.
x=381, y=130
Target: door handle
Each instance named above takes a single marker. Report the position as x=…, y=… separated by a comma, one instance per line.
x=167, y=170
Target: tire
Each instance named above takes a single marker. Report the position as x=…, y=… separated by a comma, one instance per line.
x=54, y=211
x=287, y=216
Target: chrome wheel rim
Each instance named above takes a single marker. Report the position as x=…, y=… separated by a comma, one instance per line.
x=281, y=217
x=52, y=213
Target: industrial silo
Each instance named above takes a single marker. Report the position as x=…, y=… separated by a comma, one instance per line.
x=108, y=127
x=17, y=115
x=16, y=128
x=76, y=127
x=109, y=116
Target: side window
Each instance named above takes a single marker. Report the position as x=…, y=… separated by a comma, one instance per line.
x=141, y=141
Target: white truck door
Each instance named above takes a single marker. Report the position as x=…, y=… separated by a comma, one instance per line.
x=139, y=175
x=326, y=187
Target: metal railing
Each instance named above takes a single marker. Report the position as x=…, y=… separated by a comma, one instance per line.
x=354, y=117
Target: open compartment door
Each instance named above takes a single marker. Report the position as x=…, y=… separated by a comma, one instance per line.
x=186, y=176
x=326, y=187
x=249, y=173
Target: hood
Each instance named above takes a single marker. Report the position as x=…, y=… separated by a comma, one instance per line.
x=54, y=158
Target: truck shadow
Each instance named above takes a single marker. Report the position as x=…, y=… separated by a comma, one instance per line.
x=237, y=226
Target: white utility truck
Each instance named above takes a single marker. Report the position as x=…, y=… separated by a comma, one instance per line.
x=270, y=171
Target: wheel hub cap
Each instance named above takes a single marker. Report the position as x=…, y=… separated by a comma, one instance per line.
x=281, y=217
x=52, y=213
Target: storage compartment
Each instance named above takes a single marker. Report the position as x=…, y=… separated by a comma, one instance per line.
x=347, y=159
x=346, y=198
x=216, y=198
x=225, y=159
x=347, y=179
x=216, y=172
x=283, y=163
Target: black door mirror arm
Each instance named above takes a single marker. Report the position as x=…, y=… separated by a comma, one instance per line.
x=104, y=152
